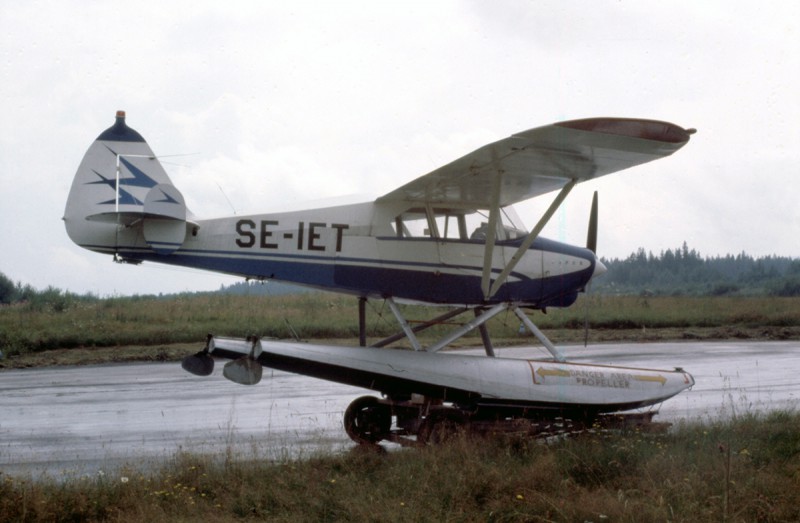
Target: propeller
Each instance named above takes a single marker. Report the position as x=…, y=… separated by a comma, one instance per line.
x=591, y=236
x=591, y=244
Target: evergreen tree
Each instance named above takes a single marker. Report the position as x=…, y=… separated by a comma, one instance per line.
x=8, y=291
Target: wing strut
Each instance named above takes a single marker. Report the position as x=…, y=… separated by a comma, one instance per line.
x=526, y=243
x=491, y=233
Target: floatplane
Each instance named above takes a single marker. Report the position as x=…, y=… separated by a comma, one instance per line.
x=448, y=238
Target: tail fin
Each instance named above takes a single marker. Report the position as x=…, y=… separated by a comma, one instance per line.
x=122, y=200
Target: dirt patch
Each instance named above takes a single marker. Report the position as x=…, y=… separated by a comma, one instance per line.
x=98, y=355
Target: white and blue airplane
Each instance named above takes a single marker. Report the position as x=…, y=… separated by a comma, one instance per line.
x=449, y=238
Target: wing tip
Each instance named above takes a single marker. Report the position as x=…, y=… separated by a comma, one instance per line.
x=655, y=130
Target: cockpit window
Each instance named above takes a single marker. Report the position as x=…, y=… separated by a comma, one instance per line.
x=413, y=224
x=456, y=224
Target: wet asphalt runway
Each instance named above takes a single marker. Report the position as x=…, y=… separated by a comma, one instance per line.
x=88, y=420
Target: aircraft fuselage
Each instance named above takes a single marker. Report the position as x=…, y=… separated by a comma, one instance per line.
x=357, y=250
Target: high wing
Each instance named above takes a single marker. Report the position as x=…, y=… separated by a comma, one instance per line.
x=544, y=159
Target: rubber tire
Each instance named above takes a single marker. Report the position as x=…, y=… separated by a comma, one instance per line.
x=366, y=420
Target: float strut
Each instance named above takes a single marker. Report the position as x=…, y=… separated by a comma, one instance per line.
x=476, y=322
x=362, y=321
x=404, y=324
x=540, y=335
x=487, y=341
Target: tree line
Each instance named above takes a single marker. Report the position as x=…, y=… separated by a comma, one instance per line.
x=683, y=271
x=50, y=298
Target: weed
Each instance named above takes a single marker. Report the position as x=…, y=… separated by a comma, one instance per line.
x=677, y=476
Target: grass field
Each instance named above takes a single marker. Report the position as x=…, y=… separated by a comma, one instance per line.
x=744, y=470
x=153, y=326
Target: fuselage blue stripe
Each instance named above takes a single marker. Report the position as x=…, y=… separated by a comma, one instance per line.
x=144, y=253
x=431, y=281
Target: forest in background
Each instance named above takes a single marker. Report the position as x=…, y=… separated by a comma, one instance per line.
x=684, y=272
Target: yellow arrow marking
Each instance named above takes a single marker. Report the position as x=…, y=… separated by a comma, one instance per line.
x=553, y=372
x=661, y=379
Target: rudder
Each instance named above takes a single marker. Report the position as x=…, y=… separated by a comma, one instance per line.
x=122, y=200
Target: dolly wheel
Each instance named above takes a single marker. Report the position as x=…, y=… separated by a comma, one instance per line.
x=366, y=420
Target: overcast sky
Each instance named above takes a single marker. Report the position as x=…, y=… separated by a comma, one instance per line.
x=278, y=103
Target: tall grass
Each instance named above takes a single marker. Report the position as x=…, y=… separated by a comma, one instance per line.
x=151, y=320
x=741, y=470
x=680, y=312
